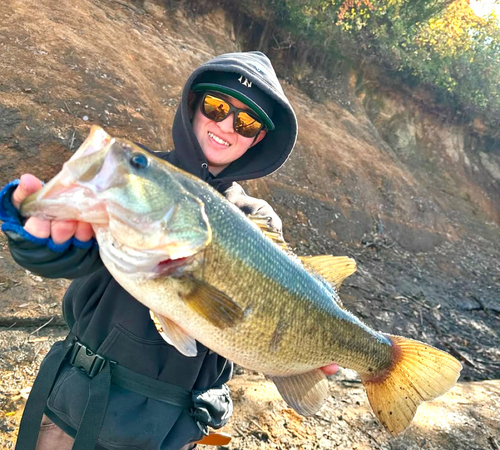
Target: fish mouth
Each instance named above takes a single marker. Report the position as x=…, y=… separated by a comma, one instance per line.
x=63, y=197
x=145, y=263
x=65, y=202
x=174, y=267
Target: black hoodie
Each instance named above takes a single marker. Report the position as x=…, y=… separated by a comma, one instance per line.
x=262, y=159
x=112, y=323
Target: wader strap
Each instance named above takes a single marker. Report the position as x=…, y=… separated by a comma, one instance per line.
x=93, y=416
x=94, y=364
x=149, y=387
x=35, y=406
x=102, y=372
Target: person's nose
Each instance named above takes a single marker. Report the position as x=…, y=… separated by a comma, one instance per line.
x=226, y=125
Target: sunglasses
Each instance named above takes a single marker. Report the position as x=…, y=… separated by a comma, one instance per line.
x=217, y=109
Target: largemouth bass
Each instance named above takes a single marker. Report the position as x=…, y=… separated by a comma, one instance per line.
x=210, y=274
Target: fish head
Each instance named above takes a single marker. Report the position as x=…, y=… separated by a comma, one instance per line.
x=140, y=211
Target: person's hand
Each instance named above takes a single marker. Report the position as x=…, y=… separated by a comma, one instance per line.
x=60, y=231
x=331, y=369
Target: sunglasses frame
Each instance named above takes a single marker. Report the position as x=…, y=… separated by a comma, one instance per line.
x=232, y=109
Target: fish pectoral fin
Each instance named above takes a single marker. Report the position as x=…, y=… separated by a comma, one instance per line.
x=174, y=335
x=305, y=393
x=334, y=269
x=213, y=305
x=419, y=373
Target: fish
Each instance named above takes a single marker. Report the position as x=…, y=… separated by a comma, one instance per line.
x=211, y=274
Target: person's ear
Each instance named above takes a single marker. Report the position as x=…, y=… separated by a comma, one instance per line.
x=259, y=137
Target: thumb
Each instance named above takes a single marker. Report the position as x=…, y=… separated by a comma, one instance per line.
x=27, y=185
x=331, y=369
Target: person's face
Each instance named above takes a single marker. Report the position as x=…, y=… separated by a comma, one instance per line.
x=220, y=144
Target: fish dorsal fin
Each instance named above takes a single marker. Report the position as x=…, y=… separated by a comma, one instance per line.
x=305, y=393
x=271, y=233
x=334, y=269
x=212, y=304
x=174, y=335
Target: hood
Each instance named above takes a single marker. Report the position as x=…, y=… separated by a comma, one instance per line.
x=260, y=160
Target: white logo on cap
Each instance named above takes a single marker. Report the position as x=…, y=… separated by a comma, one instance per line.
x=244, y=81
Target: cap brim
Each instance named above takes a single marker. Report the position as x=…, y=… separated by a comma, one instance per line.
x=239, y=96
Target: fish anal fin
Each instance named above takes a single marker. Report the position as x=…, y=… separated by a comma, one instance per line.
x=334, y=269
x=305, y=393
x=174, y=335
x=418, y=374
x=213, y=305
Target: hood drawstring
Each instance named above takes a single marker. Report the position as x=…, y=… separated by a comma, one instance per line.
x=205, y=174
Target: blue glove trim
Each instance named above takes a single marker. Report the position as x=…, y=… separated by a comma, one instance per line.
x=61, y=248
x=17, y=228
x=51, y=245
x=10, y=215
x=84, y=245
x=58, y=248
x=7, y=211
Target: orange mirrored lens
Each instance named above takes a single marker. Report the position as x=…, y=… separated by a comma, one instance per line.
x=246, y=125
x=216, y=108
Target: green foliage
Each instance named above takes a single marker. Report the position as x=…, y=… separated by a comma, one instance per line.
x=439, y=43
x=463, y=54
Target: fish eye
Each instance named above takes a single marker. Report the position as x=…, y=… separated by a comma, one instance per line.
x=139, y=161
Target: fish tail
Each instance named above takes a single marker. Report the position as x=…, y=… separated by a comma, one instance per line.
x=418, y=373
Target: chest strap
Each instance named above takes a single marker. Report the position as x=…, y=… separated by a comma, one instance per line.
x=102, y=372
x=92, y=363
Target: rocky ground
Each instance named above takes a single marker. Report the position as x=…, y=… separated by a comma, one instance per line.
x=56, y=78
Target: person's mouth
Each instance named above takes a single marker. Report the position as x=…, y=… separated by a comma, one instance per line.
x=218, y=139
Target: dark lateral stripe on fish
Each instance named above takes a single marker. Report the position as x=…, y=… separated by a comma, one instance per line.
x=277, y=336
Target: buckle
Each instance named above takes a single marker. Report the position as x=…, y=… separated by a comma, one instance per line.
x=86, y=360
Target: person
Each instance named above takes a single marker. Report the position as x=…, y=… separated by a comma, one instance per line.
x=114, y=382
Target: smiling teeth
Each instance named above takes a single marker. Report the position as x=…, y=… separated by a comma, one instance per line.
x=218, y=139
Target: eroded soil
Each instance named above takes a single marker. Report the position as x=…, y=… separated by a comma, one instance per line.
x=65, y=66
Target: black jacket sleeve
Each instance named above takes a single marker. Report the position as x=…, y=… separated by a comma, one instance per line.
x=72, y=259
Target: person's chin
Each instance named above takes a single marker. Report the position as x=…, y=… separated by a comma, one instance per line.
x=215, y=162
